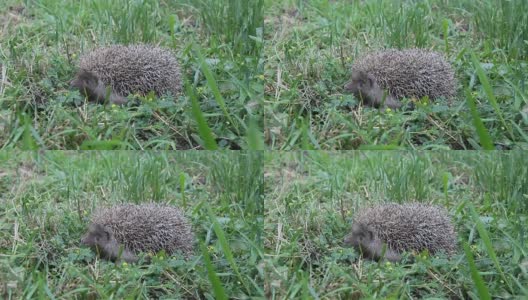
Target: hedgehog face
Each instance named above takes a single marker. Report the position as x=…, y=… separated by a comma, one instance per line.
x=88, y=84
x=84, y=80
x=364, y=87
x=360, y=83
x=97, y=237
x=360, y=235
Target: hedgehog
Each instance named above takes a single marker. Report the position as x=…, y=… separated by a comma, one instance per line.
x=127, y=70
x=388, y=230
x=120, y=232
x=411, y=73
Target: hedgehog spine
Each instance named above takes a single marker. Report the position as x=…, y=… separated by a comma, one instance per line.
x=139, y=228
x=402, y=227
x=133, y=69
x=411, y=73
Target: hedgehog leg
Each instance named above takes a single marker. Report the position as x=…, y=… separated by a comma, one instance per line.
x=105, y=94
x=372, y=94
x=117, y=99
x=390, y=101
x=117, y=253
x=392, y=255
x=377, y=250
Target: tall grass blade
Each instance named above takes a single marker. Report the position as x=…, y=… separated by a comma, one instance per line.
x=380, y=147
x=445, y=27
x=225, y=246
x=28, y=142
x=236, y=22
x=488, y=90
x=203, y=129
x=254, y=138
x=103, y=145
x=182, y=190
x=211, y=81
x=485, y=139
x=218, y=289
x=487, y=243
x=481, y=287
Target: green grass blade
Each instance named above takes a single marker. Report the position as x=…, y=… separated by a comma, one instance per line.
x=488, y=90
x=254, y=138
x=481, y=287
x=445, y=27
x=211, y=81
x=445, y=180
x=485, y=139
x=483, y=233
x=182, y=190
x=203, y=129
x=305, y=135
x=225, y=245
x=28, y=142
x=380, y=147
x=103, y=145
x=218, y=289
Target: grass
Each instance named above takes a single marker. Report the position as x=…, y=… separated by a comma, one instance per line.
x=289, y=248
x=312, y=197
x=43, y=40
x=264, y=73
x=311, y=46
x=47, y=199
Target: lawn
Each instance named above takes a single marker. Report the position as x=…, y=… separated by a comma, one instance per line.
x=312, y=197
x=218, y=45
x=46, y=200
x=311, y=46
